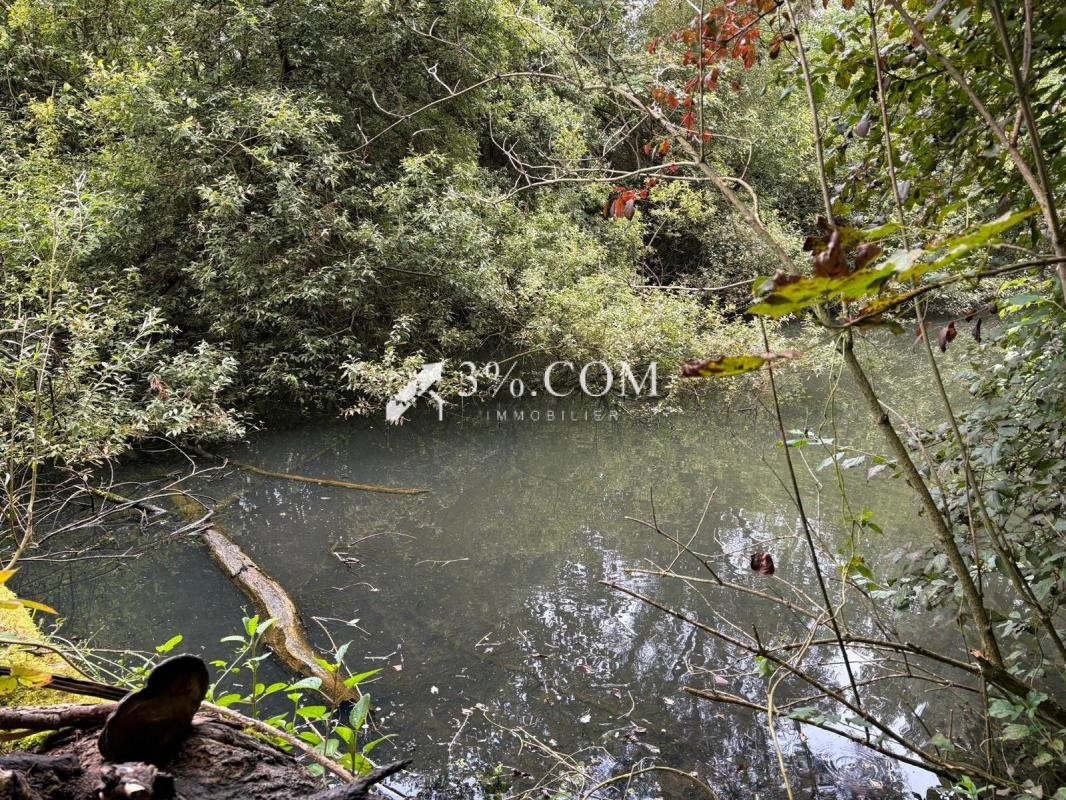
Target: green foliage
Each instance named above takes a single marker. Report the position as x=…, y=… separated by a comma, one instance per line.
x=925, y=107
x=85, y=369
x=235, y=217
x=293, y=707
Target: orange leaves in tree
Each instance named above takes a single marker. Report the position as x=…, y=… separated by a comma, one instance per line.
x=622, y=202
x=728, y=31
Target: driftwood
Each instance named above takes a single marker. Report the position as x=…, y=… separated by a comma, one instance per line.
x=361, y=487
x=287, y=636
x=216, y=762
x=289, y=476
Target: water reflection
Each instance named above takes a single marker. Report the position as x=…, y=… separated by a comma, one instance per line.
x=483, y=599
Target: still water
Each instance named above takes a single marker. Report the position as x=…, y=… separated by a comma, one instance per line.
x=482, y=600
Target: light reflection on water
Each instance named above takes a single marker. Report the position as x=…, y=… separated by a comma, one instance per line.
x=483, y=600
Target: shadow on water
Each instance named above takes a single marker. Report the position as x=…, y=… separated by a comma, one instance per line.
x=482, y=600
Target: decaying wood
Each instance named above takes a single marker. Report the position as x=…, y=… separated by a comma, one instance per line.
x=218, y=761
x=287, y=637
x=289, y=476
x=52, y=718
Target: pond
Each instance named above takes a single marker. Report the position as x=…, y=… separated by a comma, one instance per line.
x=482, y=600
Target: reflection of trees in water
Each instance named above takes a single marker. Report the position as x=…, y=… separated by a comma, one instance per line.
x=624, y=637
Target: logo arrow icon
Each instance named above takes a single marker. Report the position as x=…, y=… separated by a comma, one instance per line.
x=426, y=378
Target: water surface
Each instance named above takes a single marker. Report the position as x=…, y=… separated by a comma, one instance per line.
x=482, y=600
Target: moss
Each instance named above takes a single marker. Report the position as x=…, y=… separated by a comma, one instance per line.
x=17, y=623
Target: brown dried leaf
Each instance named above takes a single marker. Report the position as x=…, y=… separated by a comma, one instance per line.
x=762, y=563
x=947, y=335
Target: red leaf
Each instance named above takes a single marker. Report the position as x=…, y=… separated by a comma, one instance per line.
x=653, y=45
x=630, y=205
x=947, y=335
x=762, y=563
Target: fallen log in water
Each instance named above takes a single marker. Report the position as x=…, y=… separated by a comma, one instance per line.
x=290, y=476
x=286, y=637
x=218, y=761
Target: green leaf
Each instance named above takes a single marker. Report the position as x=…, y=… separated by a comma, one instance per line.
x=169, y=644
x=727, y=366
x=355, y=680
x=797, y=294
x=369, y=746
x=312, y=712
x=965, y=243
x=1043, y=758
x=1002, y=709
x=764, y=666
x=359, y=711
x=1015, y=731
x=941, y=741
x=346, y=734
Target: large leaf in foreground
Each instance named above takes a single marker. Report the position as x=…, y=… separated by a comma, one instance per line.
x=727, y=366
x=788, y=294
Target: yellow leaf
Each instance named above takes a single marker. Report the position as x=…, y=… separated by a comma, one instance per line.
x=38, y=606
x=30, y=676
